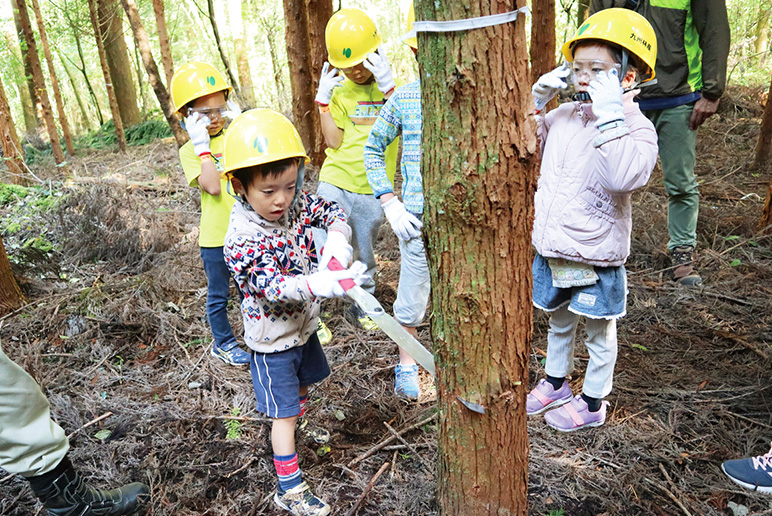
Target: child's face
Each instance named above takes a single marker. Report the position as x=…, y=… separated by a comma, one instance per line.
x=589, y=60
x=359, y=74
x=270, y=196
x=212, y=106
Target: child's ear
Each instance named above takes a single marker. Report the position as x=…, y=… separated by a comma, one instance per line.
x=238, y=186
x=629, y=78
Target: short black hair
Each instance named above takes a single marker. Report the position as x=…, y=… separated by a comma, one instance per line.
x=633, y=61
x=273, y=169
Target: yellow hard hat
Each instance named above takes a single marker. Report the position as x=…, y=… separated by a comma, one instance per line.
x=260, y=136
x=412, y=42
x=350, y=35
x=196, y=80
x=624, y=27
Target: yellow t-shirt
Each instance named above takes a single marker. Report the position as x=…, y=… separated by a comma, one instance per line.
x=354, y=108
x=215, y=209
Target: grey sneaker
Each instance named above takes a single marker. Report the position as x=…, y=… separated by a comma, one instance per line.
x=300, y=501
x=684, y=272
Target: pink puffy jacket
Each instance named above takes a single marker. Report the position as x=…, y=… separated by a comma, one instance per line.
x=582, y=204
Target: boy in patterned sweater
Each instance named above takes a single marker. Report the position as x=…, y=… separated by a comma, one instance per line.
x=270, y=251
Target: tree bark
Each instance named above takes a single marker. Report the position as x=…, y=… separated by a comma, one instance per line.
x=319, y=13
x=163, y=41
x=108, y=79
x=237, y=24
x=110, y=16
x=9, y=140
x=761, y=162
x=54, y=82
x=542, y=39
x=27, y=104
x=479, y=175
x=40, y=84
x=27, y=70
x=11, y=296
x=221, y=49
x=140, y=38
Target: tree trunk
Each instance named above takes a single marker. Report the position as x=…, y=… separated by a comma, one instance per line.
x=278, y=79
x=479, y=175
x=40, y=84
x=86, y=122
x=12, y=153
x=108, y=79
x=761, y=162
x=582, y=9
x=84, y=73
x=140, y=38
x=542, y=39
x=221, y=49
x=11, y=296
x=27, y=104
x=762, y=34
x=163, y=41
x=319, y=13
x=27, y=70
x=54, y=82
x=237, y=24
x=304, y=112
x=110, y=17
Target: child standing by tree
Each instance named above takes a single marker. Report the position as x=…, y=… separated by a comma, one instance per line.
x=200, y=96
x=348, y=106
x=270, y=250
x=402, y=115
x=595, y=152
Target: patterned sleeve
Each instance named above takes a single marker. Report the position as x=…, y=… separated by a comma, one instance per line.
x=386, y=129
x=326, y=215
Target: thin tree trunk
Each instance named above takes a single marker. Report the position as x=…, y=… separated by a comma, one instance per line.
x=319, y=13
x=9, y=139
x=11, y=296
x=163, y=41
x=84, y=73
x=582, y=9
x=761, y=162
x=54, y=82
x=110, y=16
x=138, y=71
x=140, y=39
x=479, y=174
x=27, y=104
x=237, y=23
x=278, y=79
x=27, y=69
x=116, y=112
x=40, y=84
x=86, y=122
x=221, y=49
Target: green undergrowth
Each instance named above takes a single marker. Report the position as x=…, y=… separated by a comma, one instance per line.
x=145, y=132
x=23, y=209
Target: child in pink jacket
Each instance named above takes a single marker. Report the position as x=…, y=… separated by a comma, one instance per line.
x=595, y=151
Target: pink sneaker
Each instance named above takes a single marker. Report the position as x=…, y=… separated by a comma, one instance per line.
x=575, y=416
x=544, y=397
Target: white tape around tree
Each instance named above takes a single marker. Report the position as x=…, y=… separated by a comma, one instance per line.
x=467, y=24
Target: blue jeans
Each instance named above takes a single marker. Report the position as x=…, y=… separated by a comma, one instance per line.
x=218, y=291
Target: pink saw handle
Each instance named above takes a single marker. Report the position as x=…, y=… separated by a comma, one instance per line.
x=335, y=265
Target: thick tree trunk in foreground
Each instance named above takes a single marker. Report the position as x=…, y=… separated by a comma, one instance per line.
x=542, y=38
x=40, y=83
x=140, y=38
x=110, y=16
x=108, y=79
x=479, y=174
x=9, y=141
x=11, y=296
x=163, y=41
x=54, y=82
x=319, y=13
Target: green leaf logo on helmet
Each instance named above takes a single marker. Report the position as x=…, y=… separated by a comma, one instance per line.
x=210, y=80
x=347, y=52
x=582, y=29
x=261, y=144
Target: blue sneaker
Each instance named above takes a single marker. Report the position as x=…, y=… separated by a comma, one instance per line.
x=752, y=472
x=406, y=381
x=231, y=354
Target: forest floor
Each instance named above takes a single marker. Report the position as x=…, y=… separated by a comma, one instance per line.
x=115, y=326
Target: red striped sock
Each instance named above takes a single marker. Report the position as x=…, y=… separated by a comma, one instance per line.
x=303, y=400
x=288, y=471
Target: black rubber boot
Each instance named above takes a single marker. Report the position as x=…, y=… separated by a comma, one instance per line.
x=64, y=493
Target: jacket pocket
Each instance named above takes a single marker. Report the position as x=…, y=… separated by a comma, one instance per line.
x=589, y=218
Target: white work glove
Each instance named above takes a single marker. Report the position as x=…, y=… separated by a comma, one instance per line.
x=328, y=81
x=606, y=94
x=378, y=63
x=548, y=86
x=337, y=246
x=327, y=283
x=196, y=125
x=233, y=110
x=405, y=224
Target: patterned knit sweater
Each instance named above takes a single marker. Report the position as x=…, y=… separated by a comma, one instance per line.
x=270, y=262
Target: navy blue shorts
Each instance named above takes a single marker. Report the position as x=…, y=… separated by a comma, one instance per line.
x=606, y=299
x=278, y=377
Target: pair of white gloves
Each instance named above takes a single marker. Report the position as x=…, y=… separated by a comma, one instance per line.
x=376, y=62
x=326, y=283
x=196, y=125
x=605, y=91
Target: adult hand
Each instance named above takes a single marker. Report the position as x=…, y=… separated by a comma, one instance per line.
x=405, y=224
x=196, y=125
x=327, y=283
x=328, y=81
x=548, y=86
x=606, y=94
x=378, y=64
x=703, y=109
x=233, y=109
x=337, y=246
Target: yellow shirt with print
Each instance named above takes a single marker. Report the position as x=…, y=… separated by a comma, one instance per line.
x=354, y=108
x=215, y=209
